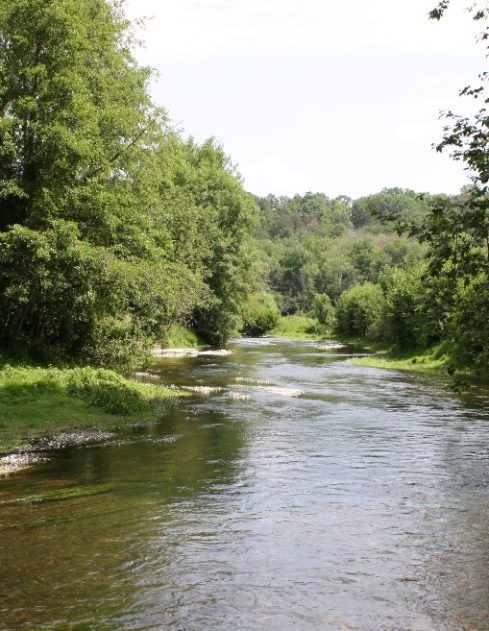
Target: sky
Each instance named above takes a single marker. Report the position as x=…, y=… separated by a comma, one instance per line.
x=332, y=96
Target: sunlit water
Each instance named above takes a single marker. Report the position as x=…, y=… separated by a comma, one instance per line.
x=292, y=491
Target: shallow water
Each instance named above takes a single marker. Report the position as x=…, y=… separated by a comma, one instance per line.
x=292, y=491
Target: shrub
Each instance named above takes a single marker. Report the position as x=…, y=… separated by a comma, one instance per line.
x=469, y=326
x=323, y=310
x=358, y=311
x=260, y=314
x=404, y=317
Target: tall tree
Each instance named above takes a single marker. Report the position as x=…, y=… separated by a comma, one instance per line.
x=468, y=138
x=110, y=225
x=457, y=230
x=74, y=106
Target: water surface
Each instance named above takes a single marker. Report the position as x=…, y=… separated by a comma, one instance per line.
x=293, y=491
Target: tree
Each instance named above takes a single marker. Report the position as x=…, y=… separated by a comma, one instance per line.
x=215, y=186
x=456, y=230
x=359, y=309
x=111, y=226
x=376, y=211
x=405, y=317
x=260, y=314
x=323, y=310
x=76, y=116
x=468, y=217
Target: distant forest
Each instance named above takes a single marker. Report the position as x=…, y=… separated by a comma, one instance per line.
x=376, y=268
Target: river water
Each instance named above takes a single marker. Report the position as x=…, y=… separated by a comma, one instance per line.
x=292, y=491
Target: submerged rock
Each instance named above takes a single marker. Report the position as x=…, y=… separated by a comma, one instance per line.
x=239, y=396
x=281, y=391
x=216, y=353
x=16, y=462
x=330, y=346
x=175, y=352
x=147, y=375
x=35, y=454
x=71, y=439
x=189, y=352
x=205, y=390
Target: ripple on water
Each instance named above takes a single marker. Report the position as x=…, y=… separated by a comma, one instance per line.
x=339, y=497
x=282, y=391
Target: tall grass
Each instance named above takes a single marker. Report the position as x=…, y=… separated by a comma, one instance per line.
x=298, y=327
x=39, y=401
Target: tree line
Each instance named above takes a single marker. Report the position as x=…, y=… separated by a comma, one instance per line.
x=336, y=258
x=397, y=267
x=113, y=226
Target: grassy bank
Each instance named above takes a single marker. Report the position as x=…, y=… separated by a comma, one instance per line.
x=298, y=327
x=178, y=336
x=35, y=402
x=435, y=361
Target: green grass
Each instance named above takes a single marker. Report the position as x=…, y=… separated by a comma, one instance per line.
x=35, y=402
x=178, y=336
x=433, y=360
x=436, y=360
x=298, y=327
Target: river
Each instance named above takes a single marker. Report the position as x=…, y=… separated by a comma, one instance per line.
x=292, y=491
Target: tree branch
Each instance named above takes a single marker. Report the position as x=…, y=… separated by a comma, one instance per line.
x=118, y=154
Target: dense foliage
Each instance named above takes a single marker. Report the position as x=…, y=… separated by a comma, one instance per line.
x=307, y=256
x=112, y=227
x=365, y=280
x=432, y=285
x=116, y=231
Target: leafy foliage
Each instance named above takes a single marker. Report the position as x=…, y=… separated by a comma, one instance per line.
x=260, y=314
x=359, y=309
x=405, y=319
x=112, y=227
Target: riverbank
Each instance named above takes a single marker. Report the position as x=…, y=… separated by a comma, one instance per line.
x=37, y=402
x=435, y=361
x=432, y=360
x=298, y=327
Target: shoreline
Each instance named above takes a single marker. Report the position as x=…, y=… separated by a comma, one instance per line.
x=434, y=361
x=42, y=409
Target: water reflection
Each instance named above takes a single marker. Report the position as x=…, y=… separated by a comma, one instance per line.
x=325, y=496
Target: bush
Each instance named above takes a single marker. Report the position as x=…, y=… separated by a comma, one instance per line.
x=469, y=326
x=323, y=310
x=260, y=314
x=113, y=393
x=115, y=345
x=55, y=291
x=178, y=336
x=358, y=311
x=404, y=317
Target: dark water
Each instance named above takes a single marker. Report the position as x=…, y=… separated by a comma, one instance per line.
x=361, y=503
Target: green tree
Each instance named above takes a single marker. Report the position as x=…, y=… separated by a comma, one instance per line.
x=260, y=314
x=216, y=188
x=111, y=226
x=75, y=111
x=461, y=227
x=359, y=309
x=456, y=230
x=368, y=259
x=406, y=322
x=323, y=310
x=376, y=211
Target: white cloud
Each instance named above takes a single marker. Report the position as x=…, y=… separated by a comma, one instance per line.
x=189, y=29
x=331, y=95
x=274, y=174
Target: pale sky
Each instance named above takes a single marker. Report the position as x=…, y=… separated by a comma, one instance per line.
x=336, y=96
